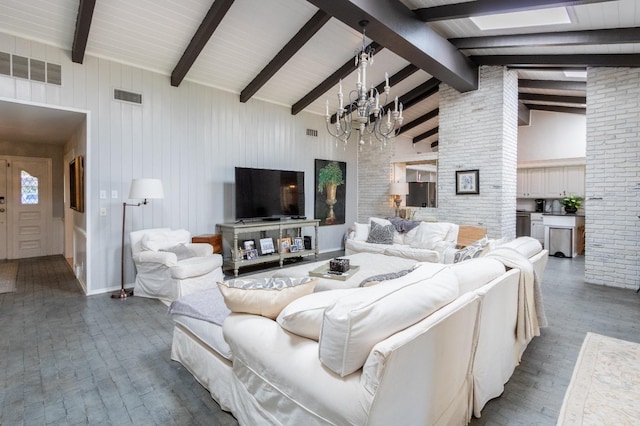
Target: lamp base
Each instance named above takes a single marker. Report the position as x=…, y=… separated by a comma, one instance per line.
x=122, y=294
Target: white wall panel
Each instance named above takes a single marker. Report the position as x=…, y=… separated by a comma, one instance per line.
x=191, y=137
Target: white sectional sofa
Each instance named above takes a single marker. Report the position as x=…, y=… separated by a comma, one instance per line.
x=429, y=347
x=426, y=242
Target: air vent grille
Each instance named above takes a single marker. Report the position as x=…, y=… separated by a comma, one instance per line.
x=311, y=132
x=123, y=95
x=30, y=69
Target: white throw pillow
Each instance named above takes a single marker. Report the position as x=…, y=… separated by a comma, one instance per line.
x=357, y=322
x=429, y=234
x=303, y=316
x=361, y=231
x=159, y=240
x=264, y=296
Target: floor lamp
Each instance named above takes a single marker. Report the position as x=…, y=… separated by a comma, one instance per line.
x=141, y=189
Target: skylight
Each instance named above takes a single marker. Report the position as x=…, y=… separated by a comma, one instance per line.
x=529, y=18
x=576, y=73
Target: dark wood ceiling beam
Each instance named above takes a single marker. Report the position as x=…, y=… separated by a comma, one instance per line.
x=330, y=81
x=538, y=97
x=582, y=60
x=83, y=25
x=567, y=38
x=419, y=94
x=557, y=108
x=309, y=29
x=420, y=120
x=393, y=80
x=524, y=115
x=392, y=23
x=490, y=7
x=426, y=135
x=214, y=16
x=578, y=86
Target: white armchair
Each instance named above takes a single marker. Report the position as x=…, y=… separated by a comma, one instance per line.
x=169, y=266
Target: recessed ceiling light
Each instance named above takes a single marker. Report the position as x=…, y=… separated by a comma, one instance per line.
x=529, y=18
x=576, y=74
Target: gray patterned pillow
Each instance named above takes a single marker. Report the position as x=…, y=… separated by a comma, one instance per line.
x=380, y=234
x=385, y=277
x=473, y=250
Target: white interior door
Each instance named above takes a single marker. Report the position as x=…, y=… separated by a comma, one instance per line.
x=29, y=207
x=3, y=210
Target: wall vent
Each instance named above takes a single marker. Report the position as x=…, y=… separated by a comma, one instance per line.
x=311, y=132
x=30, y=69
x=123, y=95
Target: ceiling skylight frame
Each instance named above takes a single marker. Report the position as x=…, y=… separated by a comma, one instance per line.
x=523, y=19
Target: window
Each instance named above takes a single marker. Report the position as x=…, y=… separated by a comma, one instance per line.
x=28, y=188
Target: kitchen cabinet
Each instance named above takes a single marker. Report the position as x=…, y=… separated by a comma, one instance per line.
x=550, y=182
x=531, y=183
x=537, y=227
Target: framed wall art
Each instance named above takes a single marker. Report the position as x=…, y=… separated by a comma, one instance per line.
x=467, y=182
x=76, y=184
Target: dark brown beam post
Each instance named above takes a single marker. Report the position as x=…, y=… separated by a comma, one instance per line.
x=392, y=23
x=426, y=135
x=209, y=24
x=420, y=120
x=557, y=108
x=582, y=60
x=83, y=25
x=552, y=98
x=565, y=38
x=578, y=86
x=490, y=7
x=291, y=48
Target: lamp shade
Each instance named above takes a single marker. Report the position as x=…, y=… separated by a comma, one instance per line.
x=146, y=188
x=399, y=188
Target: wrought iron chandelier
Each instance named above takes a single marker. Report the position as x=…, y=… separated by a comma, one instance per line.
x=364, y=111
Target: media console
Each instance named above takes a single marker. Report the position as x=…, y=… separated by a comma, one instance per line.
x=276, y=229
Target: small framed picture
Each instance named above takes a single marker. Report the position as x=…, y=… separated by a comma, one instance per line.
x=298, y=242
x=294, y=248
x=467, y=182
x=266, y=245
x=252, y=254
x=284, y=245
x=249, y=244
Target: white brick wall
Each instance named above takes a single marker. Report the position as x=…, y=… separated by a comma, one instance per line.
x=613, y=177
x=479, y=130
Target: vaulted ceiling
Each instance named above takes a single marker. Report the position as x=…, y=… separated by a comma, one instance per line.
x=294, y=52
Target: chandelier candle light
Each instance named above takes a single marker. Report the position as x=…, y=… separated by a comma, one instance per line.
x=363, y=112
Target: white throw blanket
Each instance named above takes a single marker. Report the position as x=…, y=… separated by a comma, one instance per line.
x=531, y=314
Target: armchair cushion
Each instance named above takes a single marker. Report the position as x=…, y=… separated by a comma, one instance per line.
x=181, y=251
x=195, y=266
x=161, y=257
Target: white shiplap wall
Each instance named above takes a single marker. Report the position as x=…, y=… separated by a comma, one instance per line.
x=191, y=137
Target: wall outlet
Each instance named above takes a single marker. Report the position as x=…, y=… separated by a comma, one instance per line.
x=103, y=211
x=103, y=194
x=114, y=194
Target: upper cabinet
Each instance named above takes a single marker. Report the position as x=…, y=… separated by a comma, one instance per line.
x=551, y=182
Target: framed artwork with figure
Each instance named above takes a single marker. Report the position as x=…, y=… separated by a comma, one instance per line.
x=330, y=191
x=467, y=182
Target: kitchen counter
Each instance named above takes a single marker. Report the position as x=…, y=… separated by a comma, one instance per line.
x=571, y=227
x=563, y=214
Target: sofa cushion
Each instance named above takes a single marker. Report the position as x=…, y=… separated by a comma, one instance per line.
x=163, y=239
x=181, y=251
x=355, y=323
x=361, y=231
x=364, y=247
x=421, y=255
x=264, y=296
x=303, y=316
x=429, y=234
x=473, y=250
x=195, y=266
x=380, y=234
x=475, y=273
x=526, y=246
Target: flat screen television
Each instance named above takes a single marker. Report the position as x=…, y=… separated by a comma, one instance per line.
x=269, y=194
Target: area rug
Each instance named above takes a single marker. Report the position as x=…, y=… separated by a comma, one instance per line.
x=8, y=274
x=605, y=386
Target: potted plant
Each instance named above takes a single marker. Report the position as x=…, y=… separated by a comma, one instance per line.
x=329, y=177
x=571, y=203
